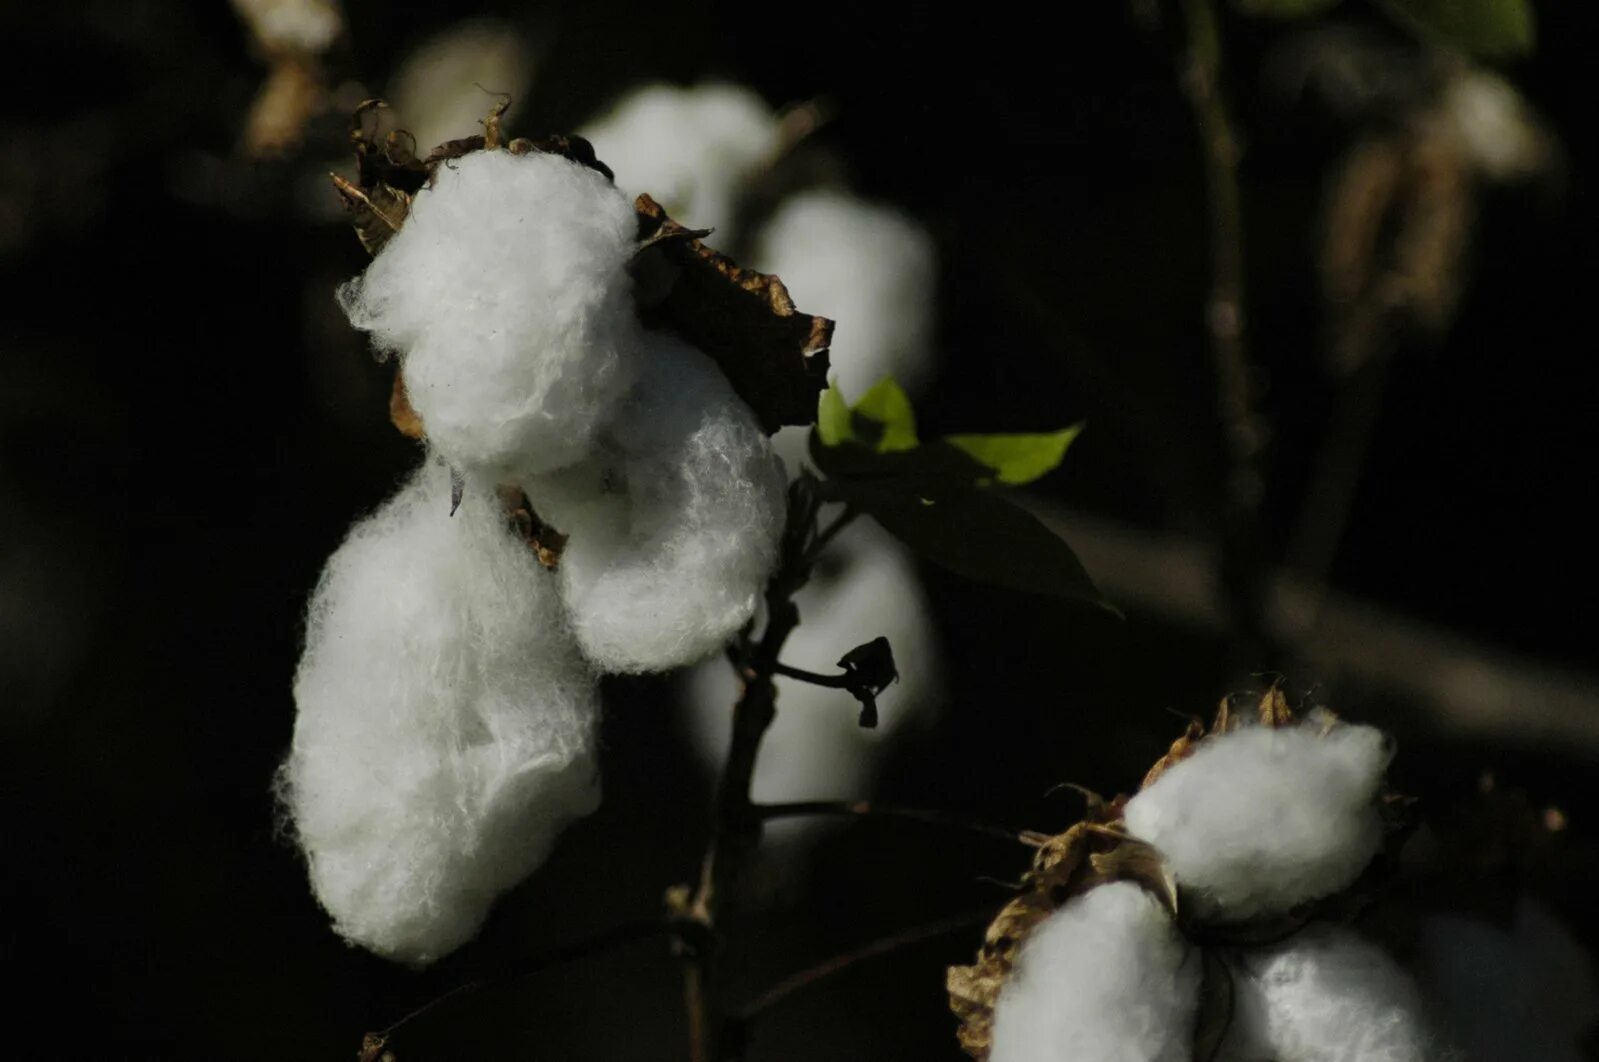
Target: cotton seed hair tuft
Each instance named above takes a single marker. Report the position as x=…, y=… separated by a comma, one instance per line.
x=446, y=723
x=1261, y=819
x=507, y=297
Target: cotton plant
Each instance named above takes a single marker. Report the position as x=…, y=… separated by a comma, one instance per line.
x=595, y=391
x=1193, y=921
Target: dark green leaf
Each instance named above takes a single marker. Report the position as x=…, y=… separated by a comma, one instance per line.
x=1495, y=28
x=1017, y=459
x=1284, y=9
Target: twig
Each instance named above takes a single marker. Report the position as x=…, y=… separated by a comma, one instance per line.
x=868, y=809
x=841, y=681
x=1241, y=424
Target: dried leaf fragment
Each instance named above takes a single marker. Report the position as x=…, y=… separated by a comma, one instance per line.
x=774, y=355
x=545, y=541
x=401, y=413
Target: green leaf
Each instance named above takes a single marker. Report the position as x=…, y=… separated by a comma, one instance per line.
x=892, y=427
x=1284, y=9
x=1017, y=459
x=832, y=417
x=1492, y=28
x=978, y=533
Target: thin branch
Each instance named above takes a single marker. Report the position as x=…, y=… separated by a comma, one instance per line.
x=868, y=809
x=1241, y=423
x=841, y=681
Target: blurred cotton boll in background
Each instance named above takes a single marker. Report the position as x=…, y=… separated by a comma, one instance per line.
x=691, y=149
x=446, y=722
x=865, y=587
x=446, y=86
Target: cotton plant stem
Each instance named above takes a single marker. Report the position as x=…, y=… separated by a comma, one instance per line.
x=1240, y=569
x=868, y=809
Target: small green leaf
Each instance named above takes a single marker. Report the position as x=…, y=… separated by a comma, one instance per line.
x=1284, y=9
x=1492, y=28
x=1017, y=459
x=975, y=532
x=886, y=407
x=832, y=417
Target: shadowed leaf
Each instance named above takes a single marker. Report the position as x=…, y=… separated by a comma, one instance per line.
x=1492, y=28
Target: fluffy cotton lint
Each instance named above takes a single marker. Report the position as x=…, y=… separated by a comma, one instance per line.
x=869, y=268
x=507, y=296
x=1259, y=820
x=674, y=527
x=1325, y=995
x=446, y=724
x=689, y=148
x=1106, y=978
x=864, y=587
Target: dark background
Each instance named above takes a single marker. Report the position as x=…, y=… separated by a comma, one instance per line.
x=188, y=428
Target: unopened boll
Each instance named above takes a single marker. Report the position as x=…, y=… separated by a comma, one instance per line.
x=864, y=587
x=446, y=722
x=674, y=523
x=691, y=149
x=1324, y=995
x=868, y=267
x=1107, y=978
x=507, y=297
x=1260, y=819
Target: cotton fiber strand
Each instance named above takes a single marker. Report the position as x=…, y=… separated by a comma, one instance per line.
x=1325, y=995
x=446, y=724
x=1259, y=820
x=869, y=268
x=1107, y=978
x=507, y=296
x=689, y=148
x=674, y=527
x=864, y=587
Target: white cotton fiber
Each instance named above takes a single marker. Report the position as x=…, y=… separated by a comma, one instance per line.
x=1107, y=978
x=865, y=587
x=869, y=268
x=507, y=296
x=446, y=724
x=1324, y=995
x=307, y=26
x=674, y=525
x=689, y=148
x=1260, y=820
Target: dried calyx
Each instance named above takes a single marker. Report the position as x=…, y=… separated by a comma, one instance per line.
x=1243, y=833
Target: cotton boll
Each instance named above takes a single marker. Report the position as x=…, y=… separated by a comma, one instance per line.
x=1324, y=995
x=507, y=296
x=446, y=726
x=1260, y=820
x=689, y=148
x=1107, y=978
x=308, y=26
x=674, y=526
x=864, y=587
x=1524, y=991
x=869, y=268
x=448, y=84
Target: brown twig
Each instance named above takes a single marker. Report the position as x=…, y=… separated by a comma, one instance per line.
x=868, y=809
x=1241, y=423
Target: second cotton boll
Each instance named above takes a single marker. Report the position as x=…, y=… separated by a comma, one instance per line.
x=446, y=723
x=674, y=523
x=507, y=297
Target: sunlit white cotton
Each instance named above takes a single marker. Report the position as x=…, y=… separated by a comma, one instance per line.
x=864, y=587
x=674, y=523
x=1325, y=995
x=507, y=296
x=306, y=26
x=869, y=268
x=689, y=148
x=1107, y=978
x=446, y=723
x=1260, y=820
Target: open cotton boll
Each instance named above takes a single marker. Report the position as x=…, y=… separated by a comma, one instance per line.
x=688, y=148
x=1324, y=995
x=865, y=586
x=446, y=723
x=1259, y=820
x=868, y=267
x=507, y=296
x=439, y=89
x=308, y=26
x=1107, y=978
x=674, y=528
